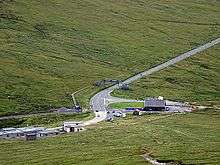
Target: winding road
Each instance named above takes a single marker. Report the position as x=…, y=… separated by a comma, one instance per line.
x=99, y=102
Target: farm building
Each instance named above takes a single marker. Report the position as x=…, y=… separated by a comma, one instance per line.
x=73, y=126
x=19, y=132
x=30, y=130
x=32, y=133
x=154, y=104
x=48, y=132
x=10, y=133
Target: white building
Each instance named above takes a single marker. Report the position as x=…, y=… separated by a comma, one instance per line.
x=11, y=134
x=73, y=126
x=19, y=132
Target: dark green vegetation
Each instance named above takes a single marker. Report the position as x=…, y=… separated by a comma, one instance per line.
x=49, y=120
x=194, y=80
x=49, y=49
x=193, y=138
x=126, y=105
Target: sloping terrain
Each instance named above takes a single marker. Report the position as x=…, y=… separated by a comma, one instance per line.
x=194, y=80
x=192, y=138
x=49, y=49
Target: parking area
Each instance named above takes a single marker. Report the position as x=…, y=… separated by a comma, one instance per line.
x=111, y=114
x=167, y=107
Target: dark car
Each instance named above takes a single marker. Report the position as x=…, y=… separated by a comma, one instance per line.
x=136, y=112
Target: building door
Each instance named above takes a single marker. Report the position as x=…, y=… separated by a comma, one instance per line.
x=71, y=129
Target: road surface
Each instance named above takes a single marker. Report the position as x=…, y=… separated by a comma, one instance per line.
x=99, y=102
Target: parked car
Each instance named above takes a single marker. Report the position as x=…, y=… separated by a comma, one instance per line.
x=123, y=114
x=118, y=115
x=137, y=113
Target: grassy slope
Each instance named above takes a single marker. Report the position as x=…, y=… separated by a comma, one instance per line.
x=46, y=120
x=49, y=49
x=191, y=138
x=194, y=80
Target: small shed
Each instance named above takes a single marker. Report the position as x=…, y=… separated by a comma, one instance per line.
x=73, y=126
x=154, y=104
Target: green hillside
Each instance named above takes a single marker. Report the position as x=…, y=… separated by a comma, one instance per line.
x=49, y=49
x=192, y=138
x=194, y=80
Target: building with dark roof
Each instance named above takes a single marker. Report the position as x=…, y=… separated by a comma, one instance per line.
x=154, y=104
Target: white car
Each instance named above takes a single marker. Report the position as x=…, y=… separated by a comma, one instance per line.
x=123, y=115
x=118, y=114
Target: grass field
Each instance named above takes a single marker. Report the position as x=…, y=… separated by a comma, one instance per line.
x=194, y=80
x=192, y=138
x=47, y=120
x=126, y=105
x=49, y=49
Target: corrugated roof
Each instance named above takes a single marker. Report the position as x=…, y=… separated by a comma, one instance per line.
x=151, y=102
x=12, y=132
x=31, y=129
x=8, y=129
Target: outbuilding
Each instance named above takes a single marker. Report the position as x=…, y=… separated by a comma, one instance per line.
x=19, y=132
x=10, y=133
x=30, y=130
x=154, y=104
x=73, y=126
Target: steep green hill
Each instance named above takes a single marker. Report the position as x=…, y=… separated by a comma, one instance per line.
x=193, y=80
x=49, y=49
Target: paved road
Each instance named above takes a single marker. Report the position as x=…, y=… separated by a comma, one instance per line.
x=99, y=101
